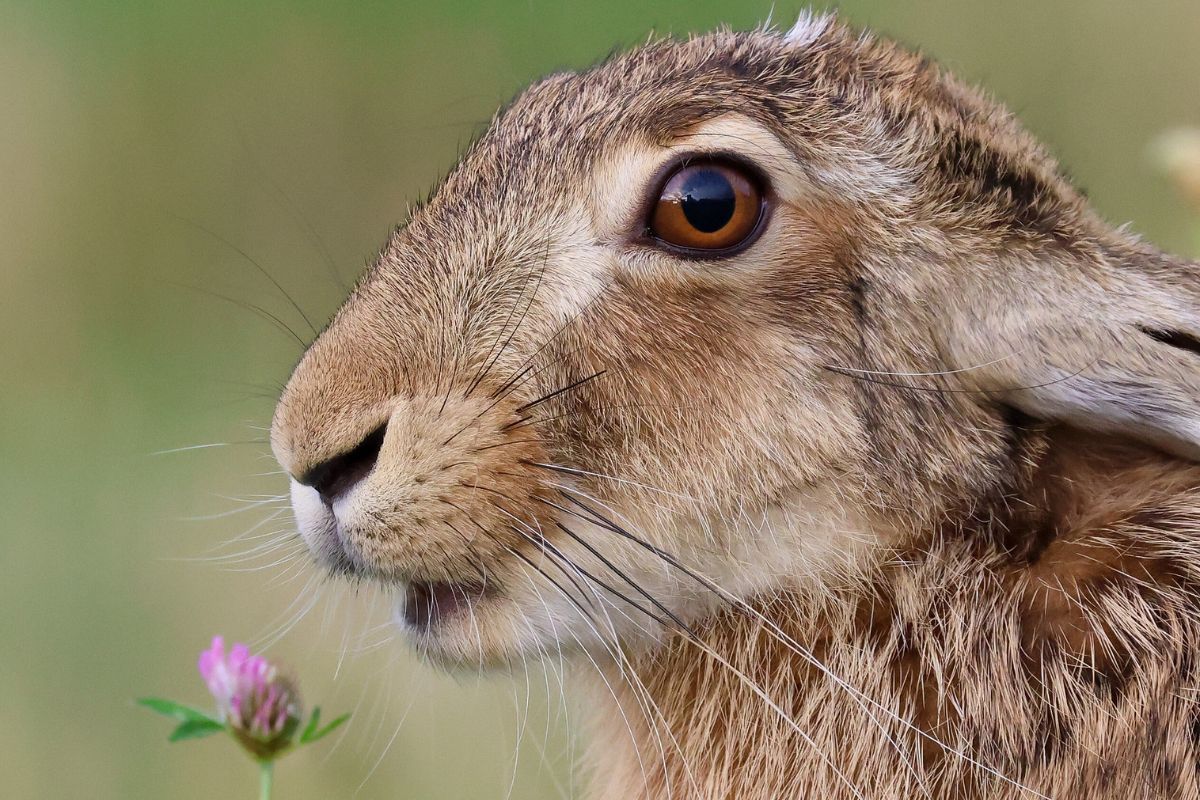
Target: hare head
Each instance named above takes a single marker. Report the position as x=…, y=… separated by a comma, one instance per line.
x=715, y=318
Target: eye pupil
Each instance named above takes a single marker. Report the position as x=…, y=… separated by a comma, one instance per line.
x=708, y=200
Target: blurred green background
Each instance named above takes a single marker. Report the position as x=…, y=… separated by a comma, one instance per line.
x=142, y=146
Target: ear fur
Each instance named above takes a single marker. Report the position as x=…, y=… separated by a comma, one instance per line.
x=1111, y=345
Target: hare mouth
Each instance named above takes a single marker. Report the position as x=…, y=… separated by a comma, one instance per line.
x=429, y=604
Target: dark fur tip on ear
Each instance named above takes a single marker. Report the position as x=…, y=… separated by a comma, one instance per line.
x=1176, y=339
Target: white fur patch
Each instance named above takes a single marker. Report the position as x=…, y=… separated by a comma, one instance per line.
x=582, y=269
x=317, y=525
x=802, y=544
x=808, y=28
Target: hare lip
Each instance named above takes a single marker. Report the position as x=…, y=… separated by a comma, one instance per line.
x=427, y=604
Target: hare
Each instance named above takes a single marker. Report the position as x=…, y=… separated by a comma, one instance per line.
x=783, y=386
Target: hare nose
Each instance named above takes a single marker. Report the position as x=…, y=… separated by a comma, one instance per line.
x=336, y=476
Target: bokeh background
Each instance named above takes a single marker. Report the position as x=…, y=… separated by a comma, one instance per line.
x=151, y=153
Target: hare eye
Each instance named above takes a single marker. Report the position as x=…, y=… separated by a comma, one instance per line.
x=706, y=207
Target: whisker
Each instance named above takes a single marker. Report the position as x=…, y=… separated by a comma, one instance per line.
x=574, y=317
x=248, y=507
x=963, y=390
x=207, y=446
x=780, y=635
x=275, y=540
x=543, y=544
x=600, y=672
x=246, y=534
x=490, y=359
x=575, y=471
x=518, y=411
x=509, y=444
x=527, y=372
x=508, y=388
x=251, y=307
x=261, y=269
x=557, y=392
x=633, y=584
x=296, y=214
x=934, y=374
x=299, y=549
x=695, y=639
x=524, y=422
x=290, y=622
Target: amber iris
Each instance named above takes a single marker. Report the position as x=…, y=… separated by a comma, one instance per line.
x=706, y=206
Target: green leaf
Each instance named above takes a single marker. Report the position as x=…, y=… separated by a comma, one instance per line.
x=328, y=729
x=169, y=708
x=195, y=729
x=311, y=727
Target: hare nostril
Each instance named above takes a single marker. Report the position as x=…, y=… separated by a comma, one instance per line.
x=336, y=476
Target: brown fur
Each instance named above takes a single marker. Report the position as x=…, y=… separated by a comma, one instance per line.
x=895, y=502
x=1068, y=672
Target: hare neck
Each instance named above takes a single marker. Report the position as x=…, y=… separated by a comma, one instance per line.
x=1057, y=657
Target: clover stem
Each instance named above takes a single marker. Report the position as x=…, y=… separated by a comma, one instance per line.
x=265, y=777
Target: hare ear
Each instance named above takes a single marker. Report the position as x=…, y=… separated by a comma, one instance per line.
x=1117, y=355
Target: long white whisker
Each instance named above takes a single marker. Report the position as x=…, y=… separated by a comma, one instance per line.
x=620, y=707
x=861, y=697
x=934, y=374
x=232, y=512
x=198, y=447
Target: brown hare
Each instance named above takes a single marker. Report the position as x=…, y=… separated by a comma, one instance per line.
x=784, y=386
